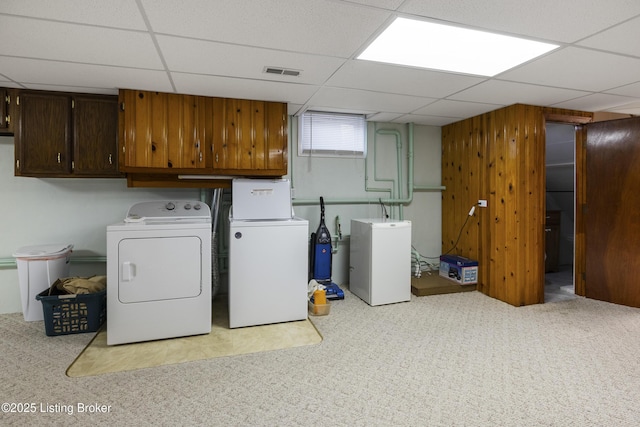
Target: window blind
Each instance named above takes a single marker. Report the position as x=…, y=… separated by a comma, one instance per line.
x=332, y=133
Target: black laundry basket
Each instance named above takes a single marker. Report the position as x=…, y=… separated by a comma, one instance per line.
x=73, y=314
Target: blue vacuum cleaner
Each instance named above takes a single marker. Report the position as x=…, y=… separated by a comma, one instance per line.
x=320, y=258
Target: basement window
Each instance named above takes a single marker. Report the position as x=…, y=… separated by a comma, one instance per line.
x=326, y=134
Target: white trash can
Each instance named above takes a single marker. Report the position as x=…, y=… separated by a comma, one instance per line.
x=38, y=267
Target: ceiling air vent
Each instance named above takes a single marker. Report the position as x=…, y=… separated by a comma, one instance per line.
x=281, y=71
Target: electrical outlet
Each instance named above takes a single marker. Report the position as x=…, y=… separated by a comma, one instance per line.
x=482, y=203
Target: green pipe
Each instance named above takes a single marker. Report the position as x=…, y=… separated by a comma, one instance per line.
x=398, y=182
x=375, y=172
x=390, y=201
x=429, y=188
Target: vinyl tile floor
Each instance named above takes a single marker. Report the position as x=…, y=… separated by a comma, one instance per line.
x=559, y=285
x=99, y=358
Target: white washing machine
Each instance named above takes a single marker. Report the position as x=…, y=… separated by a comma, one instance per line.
x=159, y=272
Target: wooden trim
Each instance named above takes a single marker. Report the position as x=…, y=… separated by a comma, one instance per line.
x=172, y=181
x=563, y=118
x=579, y=241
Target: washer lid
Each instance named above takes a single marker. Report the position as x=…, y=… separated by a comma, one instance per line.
x=43, y=251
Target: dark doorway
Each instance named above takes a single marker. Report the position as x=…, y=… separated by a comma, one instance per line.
x=560, y=211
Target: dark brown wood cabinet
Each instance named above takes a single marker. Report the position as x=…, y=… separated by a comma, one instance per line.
x=43, y=134
x=552, y=241
x=6, y=111
x=173, y=134
x=62, y=134
x=4, y=108
x=95, y=136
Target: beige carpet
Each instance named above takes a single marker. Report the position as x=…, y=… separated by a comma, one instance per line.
x=459, y=359
x=98, y=358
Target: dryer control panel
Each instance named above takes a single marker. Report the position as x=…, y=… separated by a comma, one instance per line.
x=168, y=210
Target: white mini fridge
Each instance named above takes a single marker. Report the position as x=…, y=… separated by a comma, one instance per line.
x=380, y=261
x=268, y=263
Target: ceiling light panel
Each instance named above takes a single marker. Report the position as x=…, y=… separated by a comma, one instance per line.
x=442, y=47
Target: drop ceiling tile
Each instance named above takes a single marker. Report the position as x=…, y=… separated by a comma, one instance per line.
x=323, y=27
x=379, y=77
x=228, y=87
x=42, y=72
x=579, y=69
x=222, y=59
x=8, y=83
x=79, y=89
x=293, y=109
x=632, y=108
x=627, y=90
x=509, y=93
x=354, y=99
x=426, y=120
x=596, y=102
x=112, y=13
x=383, y=117
x=617, y=39
x=566, y=21
x=458, y=109
x=382, y=4
x=78, y=43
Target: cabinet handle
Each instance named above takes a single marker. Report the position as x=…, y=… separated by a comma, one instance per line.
x=216, y=157
x=58, y=157
x=201, y=157
x=547, y=229
x=110, y=160
x=7, y=119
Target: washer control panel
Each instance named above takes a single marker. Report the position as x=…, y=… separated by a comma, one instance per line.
x=169, y=210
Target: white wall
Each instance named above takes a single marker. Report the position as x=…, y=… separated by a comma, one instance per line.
x=344, y=178
x=77, y=211
x=38, y=211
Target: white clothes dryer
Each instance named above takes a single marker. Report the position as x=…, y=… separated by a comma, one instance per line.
x=159, y=272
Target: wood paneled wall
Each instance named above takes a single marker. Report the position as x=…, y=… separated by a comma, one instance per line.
x=499, y=157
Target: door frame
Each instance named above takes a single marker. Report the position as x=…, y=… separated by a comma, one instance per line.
x=579, y=257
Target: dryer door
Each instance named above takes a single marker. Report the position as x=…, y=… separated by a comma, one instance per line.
x=159, y=268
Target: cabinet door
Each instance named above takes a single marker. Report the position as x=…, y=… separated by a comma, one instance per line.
x=4, y=109
x=95, y=131
x=162, y=131
x=276, y=137
x=43, y=134
x=144, y=115
x=253, y=137
x=235, y=152
x=7, y=111
x=185, y=139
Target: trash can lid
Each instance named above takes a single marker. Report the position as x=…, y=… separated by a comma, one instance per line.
x=43, y=251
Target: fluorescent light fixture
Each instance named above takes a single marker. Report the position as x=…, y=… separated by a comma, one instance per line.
x=443, y=47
